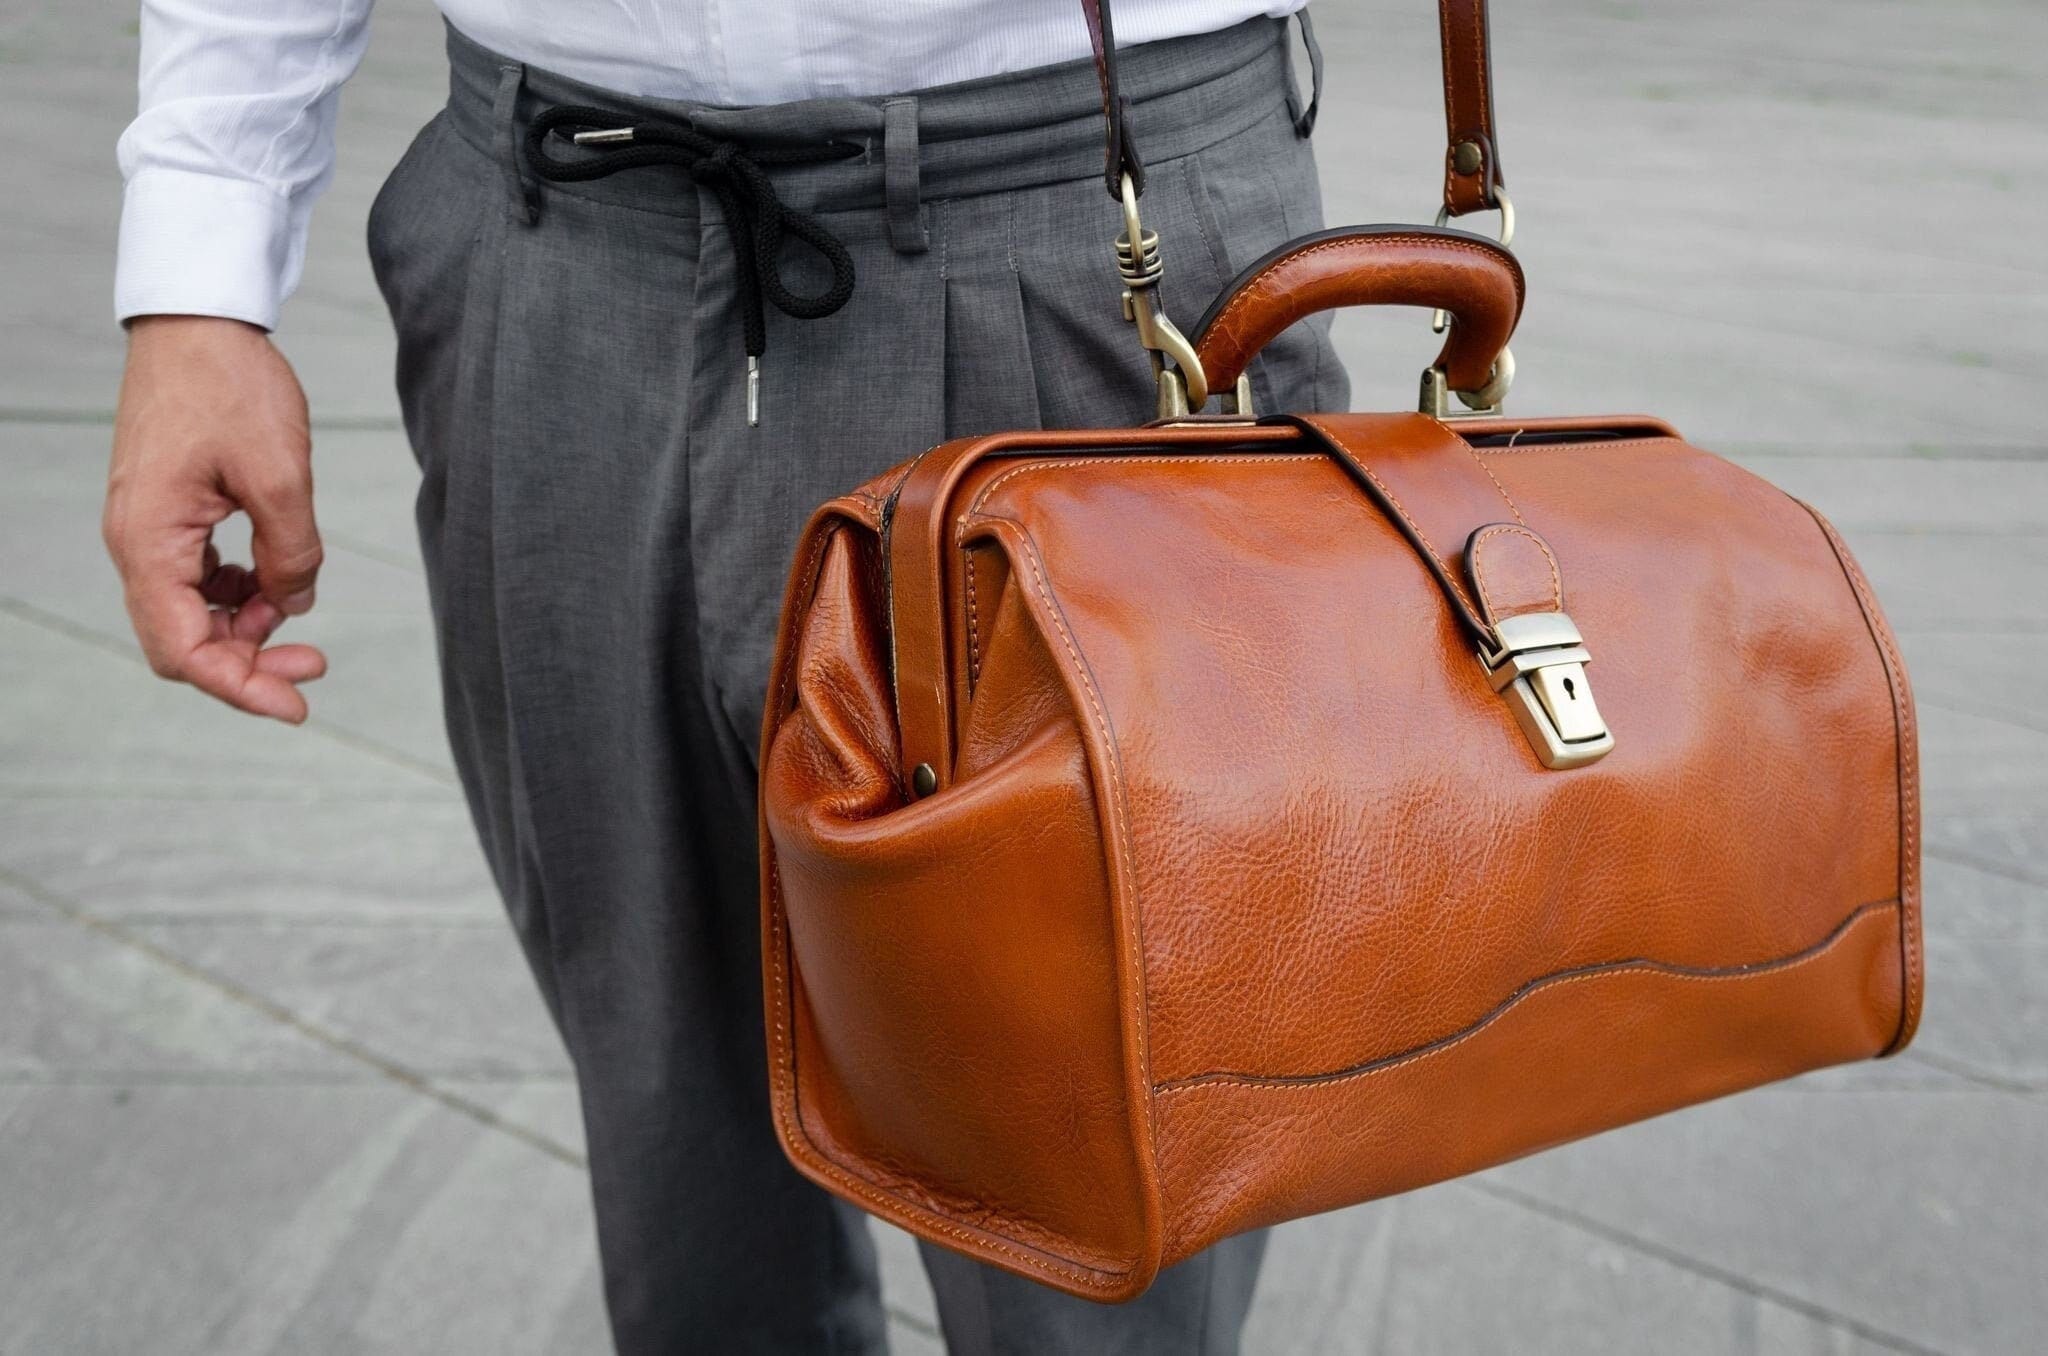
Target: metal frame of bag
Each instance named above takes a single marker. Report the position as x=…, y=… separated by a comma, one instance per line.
x=1167, y=832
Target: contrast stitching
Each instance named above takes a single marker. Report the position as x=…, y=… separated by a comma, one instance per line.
x=1296, y=1082
x=973, y=620
x=785, y=1065
x=1479, y=566
x=1450, y=98
x=1496, y=484
x=1195, y=459
x=1527, y=448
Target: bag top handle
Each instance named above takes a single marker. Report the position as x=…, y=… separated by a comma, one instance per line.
x=1472, y=175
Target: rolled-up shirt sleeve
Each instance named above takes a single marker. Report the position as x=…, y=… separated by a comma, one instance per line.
x=232, y=142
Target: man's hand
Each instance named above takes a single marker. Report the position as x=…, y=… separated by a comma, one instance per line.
x=212, y=420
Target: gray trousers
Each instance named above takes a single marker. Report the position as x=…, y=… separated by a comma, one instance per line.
x=606, y=540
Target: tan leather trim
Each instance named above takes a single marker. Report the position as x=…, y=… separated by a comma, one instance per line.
x=1575, y=975
x=1913, y=978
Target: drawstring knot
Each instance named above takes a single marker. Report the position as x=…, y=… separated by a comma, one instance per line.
x=756, y=216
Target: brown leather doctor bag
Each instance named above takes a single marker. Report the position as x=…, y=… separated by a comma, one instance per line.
x=1171, y=831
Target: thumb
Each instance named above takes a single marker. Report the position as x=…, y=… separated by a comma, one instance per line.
x=285, y=541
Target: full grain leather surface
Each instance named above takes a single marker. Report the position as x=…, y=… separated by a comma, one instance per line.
x=1243, y=895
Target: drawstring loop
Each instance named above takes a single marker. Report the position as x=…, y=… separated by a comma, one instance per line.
x=755, y=215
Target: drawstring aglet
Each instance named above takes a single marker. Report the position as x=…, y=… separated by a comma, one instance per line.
x=753, y=391
x=604, y=136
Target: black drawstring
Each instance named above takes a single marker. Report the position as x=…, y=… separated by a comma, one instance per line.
x=754, y=215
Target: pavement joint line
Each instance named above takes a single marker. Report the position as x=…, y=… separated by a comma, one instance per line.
x=390, y=1069
x=1698, y=1266
x=251, y=918
x=1846, y=452
x=251, y=1078
x=1995, y=866
x=297, y=794
x=126, y=649
x=1992, y=533
x=1643, y=302
x=97, y=418
x=1963, y=1069
x=1967, y=706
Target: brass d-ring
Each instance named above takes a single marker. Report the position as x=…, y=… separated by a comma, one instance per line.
x=1489, y=396
x=1506, y=205
x=1441, y=320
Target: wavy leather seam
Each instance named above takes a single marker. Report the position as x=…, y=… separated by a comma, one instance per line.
x=1575, y=975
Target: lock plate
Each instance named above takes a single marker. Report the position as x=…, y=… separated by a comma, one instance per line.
x=1540, y=669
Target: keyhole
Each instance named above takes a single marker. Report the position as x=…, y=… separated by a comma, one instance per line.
x=1570, y=691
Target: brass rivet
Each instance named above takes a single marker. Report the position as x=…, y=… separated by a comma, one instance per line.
x=1468, y=157
x=923, y=780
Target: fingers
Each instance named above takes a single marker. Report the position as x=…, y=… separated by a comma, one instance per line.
x=223, y=653
x=229, y=670
x=211, y=420
x=278, y=497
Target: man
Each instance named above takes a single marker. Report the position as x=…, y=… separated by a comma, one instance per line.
x=629, y=366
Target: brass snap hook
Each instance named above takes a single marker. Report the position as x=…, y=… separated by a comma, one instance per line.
x=1182, y=386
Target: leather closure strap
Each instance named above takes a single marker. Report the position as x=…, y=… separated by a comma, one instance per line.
x=1471, y=162
x=1463, y=524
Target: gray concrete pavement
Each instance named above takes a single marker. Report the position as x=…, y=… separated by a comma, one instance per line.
x=272, y=1077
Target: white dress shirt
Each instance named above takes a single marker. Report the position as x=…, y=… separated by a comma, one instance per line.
x=235, y=134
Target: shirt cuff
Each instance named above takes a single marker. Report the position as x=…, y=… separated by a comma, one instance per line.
x=202, y=244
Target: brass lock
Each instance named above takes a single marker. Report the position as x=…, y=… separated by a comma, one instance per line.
x=1540, y=667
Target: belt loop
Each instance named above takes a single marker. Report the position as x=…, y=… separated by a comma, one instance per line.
x=521, y=197
x=1305, y=118
x=907, y=233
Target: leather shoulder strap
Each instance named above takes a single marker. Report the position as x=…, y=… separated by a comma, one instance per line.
x=1471, y=162
x=1120, y=155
